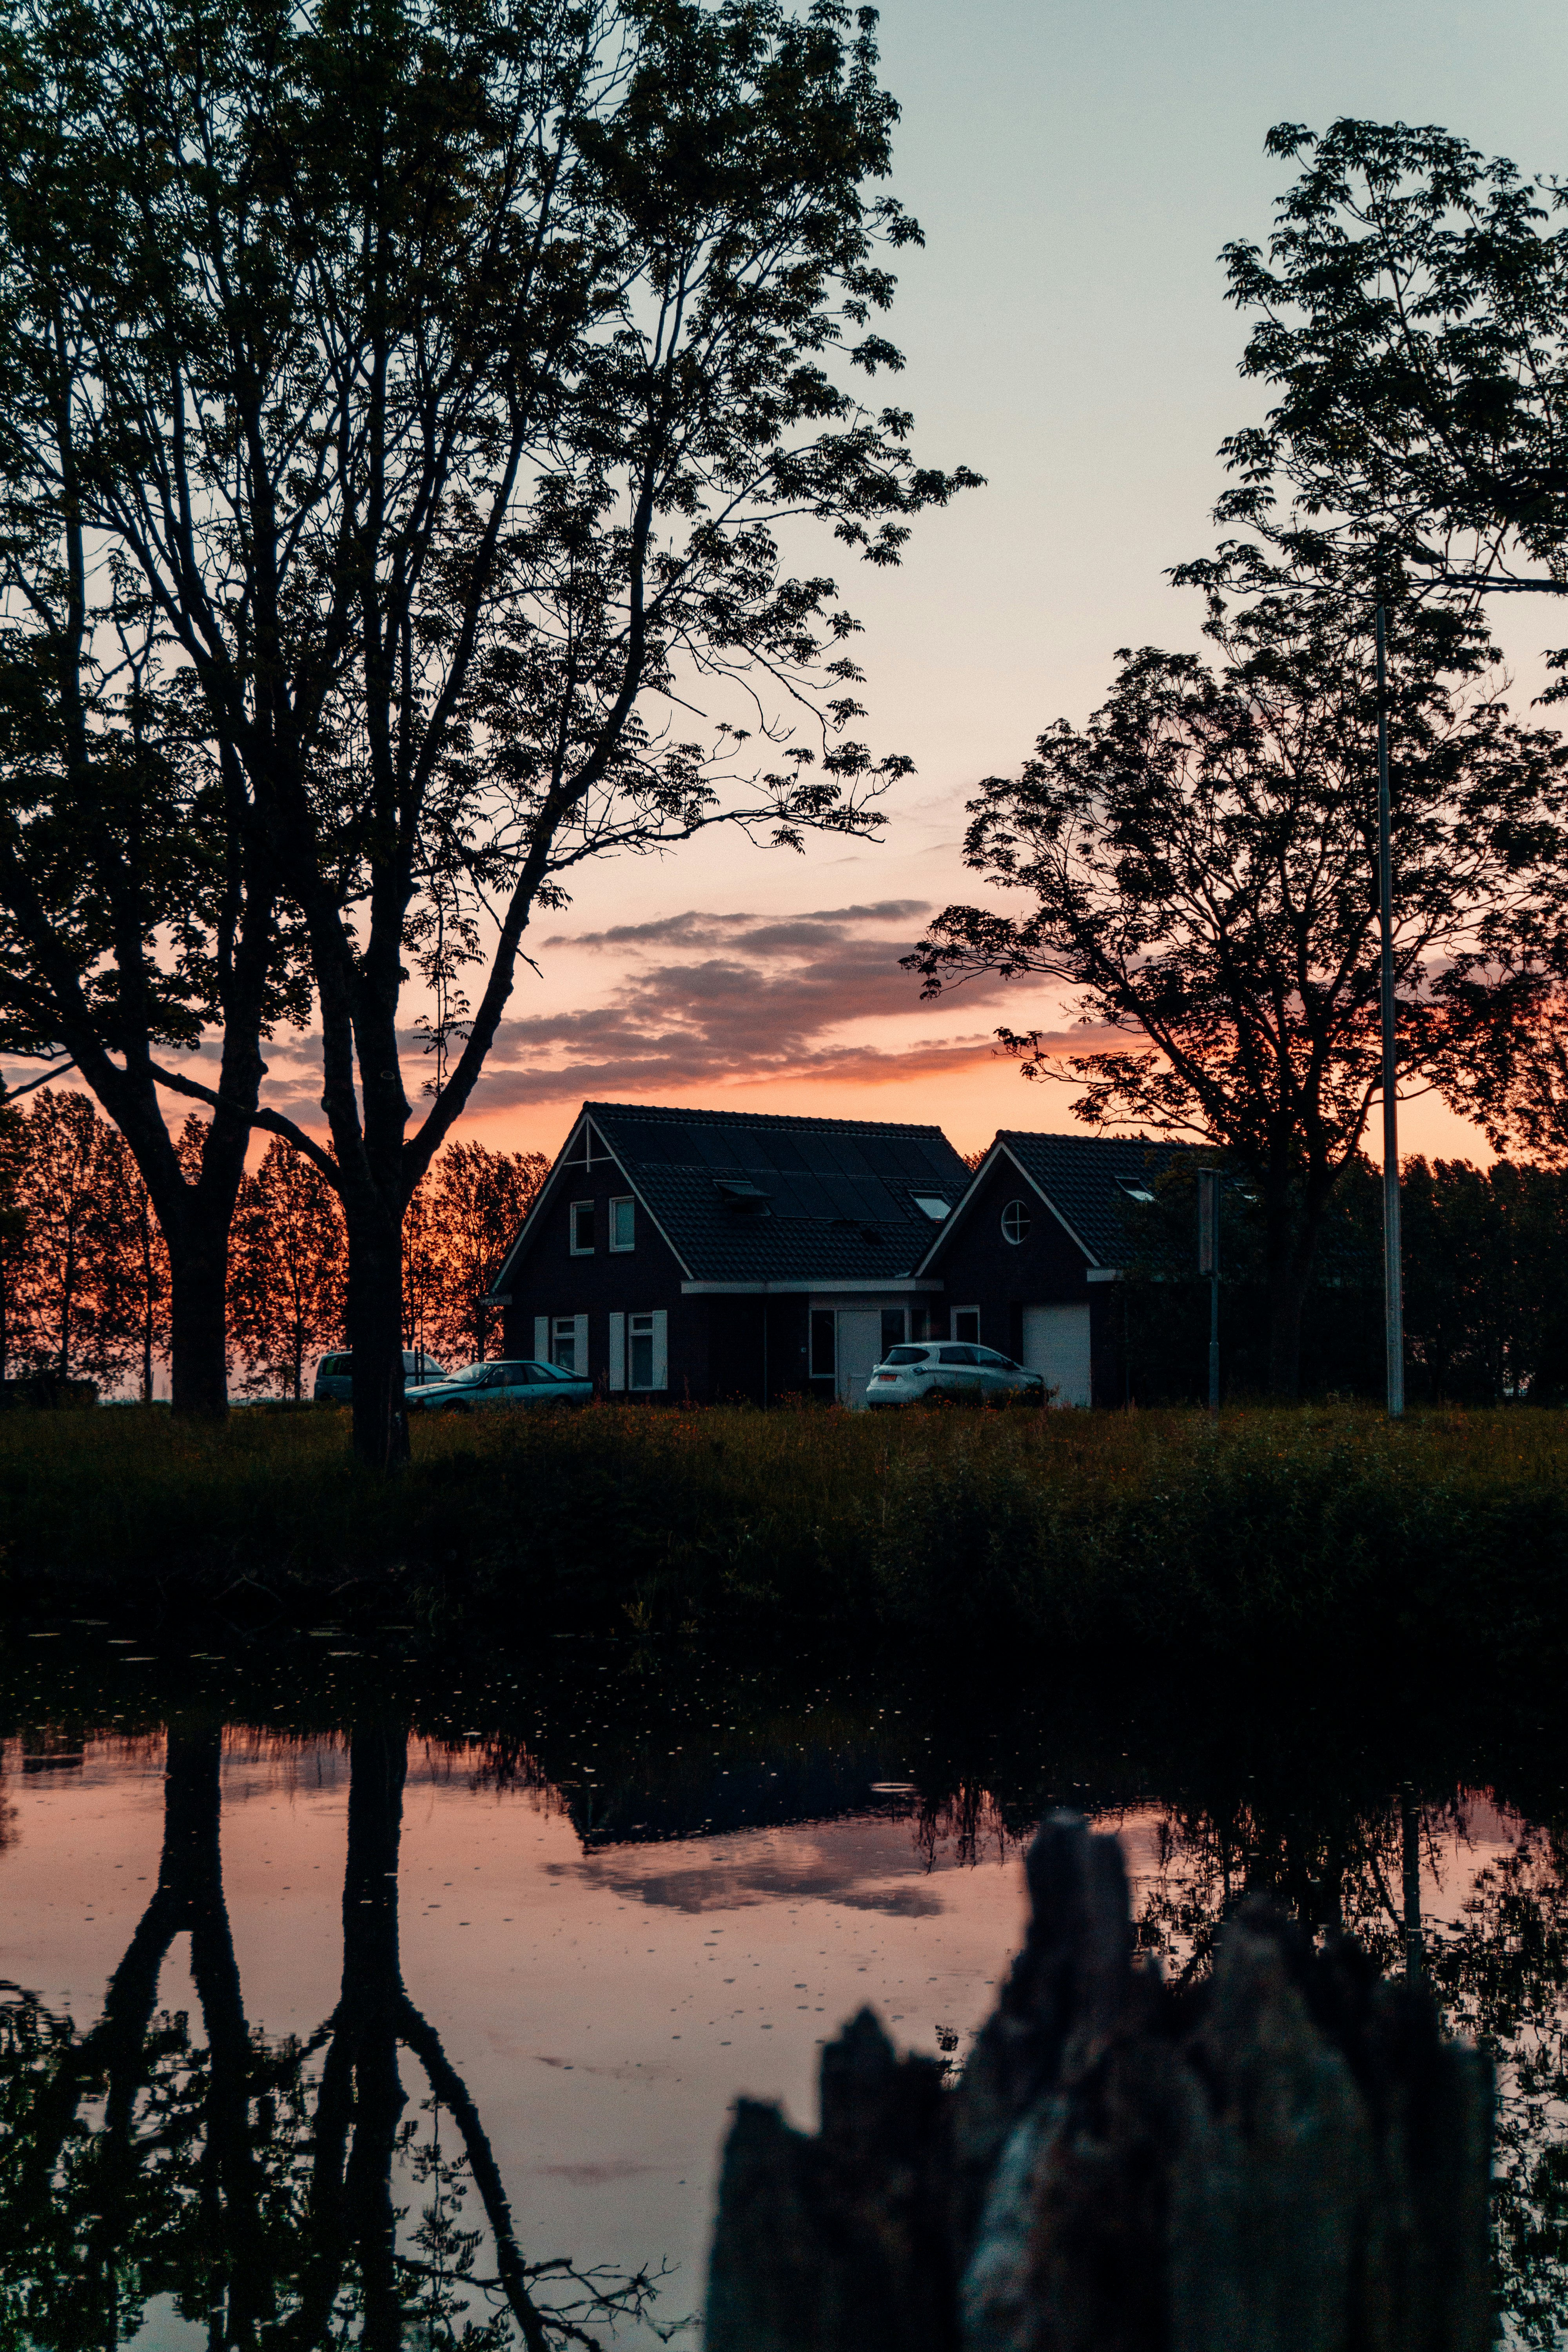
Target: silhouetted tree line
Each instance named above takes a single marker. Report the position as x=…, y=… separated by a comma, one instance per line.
x=1485, y=1288
x=84, y=1271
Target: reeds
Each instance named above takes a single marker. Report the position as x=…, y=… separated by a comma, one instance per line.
x=1301, y=1530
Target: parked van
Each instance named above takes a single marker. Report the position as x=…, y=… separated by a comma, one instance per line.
x=335, y=1375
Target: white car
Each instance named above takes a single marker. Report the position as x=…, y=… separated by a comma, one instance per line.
x=955, y=1370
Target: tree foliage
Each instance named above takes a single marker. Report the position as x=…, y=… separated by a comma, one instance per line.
x=84, y=1274
x=1200, y=862
x=1409, y=313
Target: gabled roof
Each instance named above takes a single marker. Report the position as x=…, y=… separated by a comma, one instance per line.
x=1083, y=1178
x=746, y=1196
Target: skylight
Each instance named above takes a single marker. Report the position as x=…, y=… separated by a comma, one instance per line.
x=740, y=1192
x=932, y=1205
x=1134, y=1187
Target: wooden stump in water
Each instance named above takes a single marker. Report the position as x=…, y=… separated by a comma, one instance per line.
x=1288, y=2158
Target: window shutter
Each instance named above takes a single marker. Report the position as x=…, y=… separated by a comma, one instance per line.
x=580, y=1347
x=541, y=1338
x=617, y=1351
x=661, y=1347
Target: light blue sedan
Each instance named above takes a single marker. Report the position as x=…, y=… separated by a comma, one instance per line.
x=479, y=1386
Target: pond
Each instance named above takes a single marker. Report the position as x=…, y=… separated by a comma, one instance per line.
x=358, y=1994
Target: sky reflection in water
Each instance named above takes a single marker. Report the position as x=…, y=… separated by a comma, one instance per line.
x=589, y=1975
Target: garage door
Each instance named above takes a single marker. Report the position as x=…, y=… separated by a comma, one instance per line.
x=1055, y=1342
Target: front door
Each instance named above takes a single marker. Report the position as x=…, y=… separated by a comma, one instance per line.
x=1055, y=1342
x=858, y=1350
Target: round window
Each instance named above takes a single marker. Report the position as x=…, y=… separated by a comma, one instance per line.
x=1015, y=1222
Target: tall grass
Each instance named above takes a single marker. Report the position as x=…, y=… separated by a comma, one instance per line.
x=1300, y=1531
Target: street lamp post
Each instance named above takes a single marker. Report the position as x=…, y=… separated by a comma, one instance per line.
x=1208, y=1263
x=1392, y=1280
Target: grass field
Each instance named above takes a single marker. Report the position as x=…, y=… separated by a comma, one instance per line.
x=1289, y=1533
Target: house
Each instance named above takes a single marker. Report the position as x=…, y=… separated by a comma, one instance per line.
x=1027, y=1260
x=713, y=1254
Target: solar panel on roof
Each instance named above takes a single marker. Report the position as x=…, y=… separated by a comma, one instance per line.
x=780, y=1150
x=658, y=1145
x=821, y=1153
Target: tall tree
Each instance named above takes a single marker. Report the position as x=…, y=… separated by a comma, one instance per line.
x=1409, y=318
x=13, y=1229
x=480, y=363
x=1410, y=315
x=1200, y=860
x=422, y=1271
x=135, y=1283
x=285, y=1288
x=480, y=1197
x=138, y=899
x=62, y=1195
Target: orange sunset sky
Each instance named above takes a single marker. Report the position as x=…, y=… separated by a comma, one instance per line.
x=1075, y=172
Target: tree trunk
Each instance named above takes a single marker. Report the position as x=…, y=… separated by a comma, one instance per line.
x=67, y=1299
x=1287, y=1298
x=1293, y=1219
x=1410, y=1873
x=198, y=1320
x=145, y=1224
x=373, y=1982
x=375, y=1338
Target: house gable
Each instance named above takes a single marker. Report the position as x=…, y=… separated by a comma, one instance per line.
x=981, y=1186
x=1010, y=1250
x=585, y=1160
x=562, y=1272
x=1087, y=1183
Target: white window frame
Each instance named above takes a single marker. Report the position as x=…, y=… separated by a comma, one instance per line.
x=1017, y=1241
x=624, y=1201
x=657, y=1330
x=557, y=1332
x=573, y=1246
x=964, y=1338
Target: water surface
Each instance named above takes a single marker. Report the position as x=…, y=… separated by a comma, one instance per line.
x=344, y=1987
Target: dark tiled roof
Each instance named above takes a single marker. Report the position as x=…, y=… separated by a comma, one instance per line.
x=1083, y=1177
x=840, y=1193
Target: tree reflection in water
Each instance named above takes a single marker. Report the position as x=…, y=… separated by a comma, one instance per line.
x=256, y=2184
x=1498, y=1972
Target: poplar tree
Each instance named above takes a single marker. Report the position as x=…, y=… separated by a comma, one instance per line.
x=286, y=1283
x=480, y=1197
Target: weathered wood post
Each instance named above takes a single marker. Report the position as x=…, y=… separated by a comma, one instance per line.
x=1288, y=2158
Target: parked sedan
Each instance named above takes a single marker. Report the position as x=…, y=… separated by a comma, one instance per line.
x=335, y=1375
x=483, y=1385
x=952, y=1370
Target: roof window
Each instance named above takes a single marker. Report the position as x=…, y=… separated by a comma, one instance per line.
x=739, y=1193
x=931, y=1205
x=1135, y=1187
